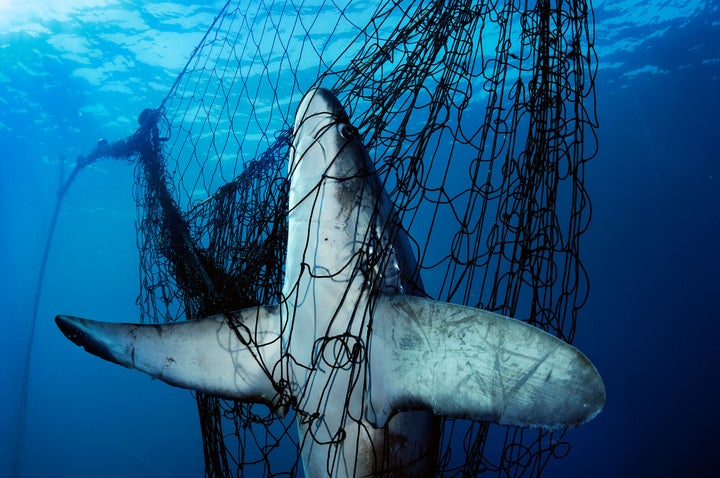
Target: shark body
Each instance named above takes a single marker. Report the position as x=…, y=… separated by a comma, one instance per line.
x=354, y=346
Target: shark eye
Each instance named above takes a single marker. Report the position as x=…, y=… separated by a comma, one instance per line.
x=347, y=131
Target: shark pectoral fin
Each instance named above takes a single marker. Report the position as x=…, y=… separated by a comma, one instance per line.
x=469, y=363
x=220, y=355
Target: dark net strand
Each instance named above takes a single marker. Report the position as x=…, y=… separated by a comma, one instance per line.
x=480, y=118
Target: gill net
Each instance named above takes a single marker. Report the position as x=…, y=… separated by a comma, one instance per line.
x=480, y=118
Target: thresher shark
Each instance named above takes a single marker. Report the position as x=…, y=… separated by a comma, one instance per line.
x=366, y=358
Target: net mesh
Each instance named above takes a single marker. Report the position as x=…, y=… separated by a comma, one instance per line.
x=480, y=118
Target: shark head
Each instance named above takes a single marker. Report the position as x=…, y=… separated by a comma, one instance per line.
x=322, y=135
x=367, y=361
x=334, y=187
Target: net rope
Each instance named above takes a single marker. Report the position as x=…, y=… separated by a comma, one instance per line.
x=480, y=118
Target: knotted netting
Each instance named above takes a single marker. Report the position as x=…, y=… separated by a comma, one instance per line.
x=479, y=117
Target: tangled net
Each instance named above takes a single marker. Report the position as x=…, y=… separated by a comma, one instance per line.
x=480, y=117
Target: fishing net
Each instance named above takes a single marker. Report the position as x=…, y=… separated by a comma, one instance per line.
x=479, y=117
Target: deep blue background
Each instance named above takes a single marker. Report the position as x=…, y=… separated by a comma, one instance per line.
x=70, y=74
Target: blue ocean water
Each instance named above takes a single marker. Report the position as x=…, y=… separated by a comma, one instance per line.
x=73, y=72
